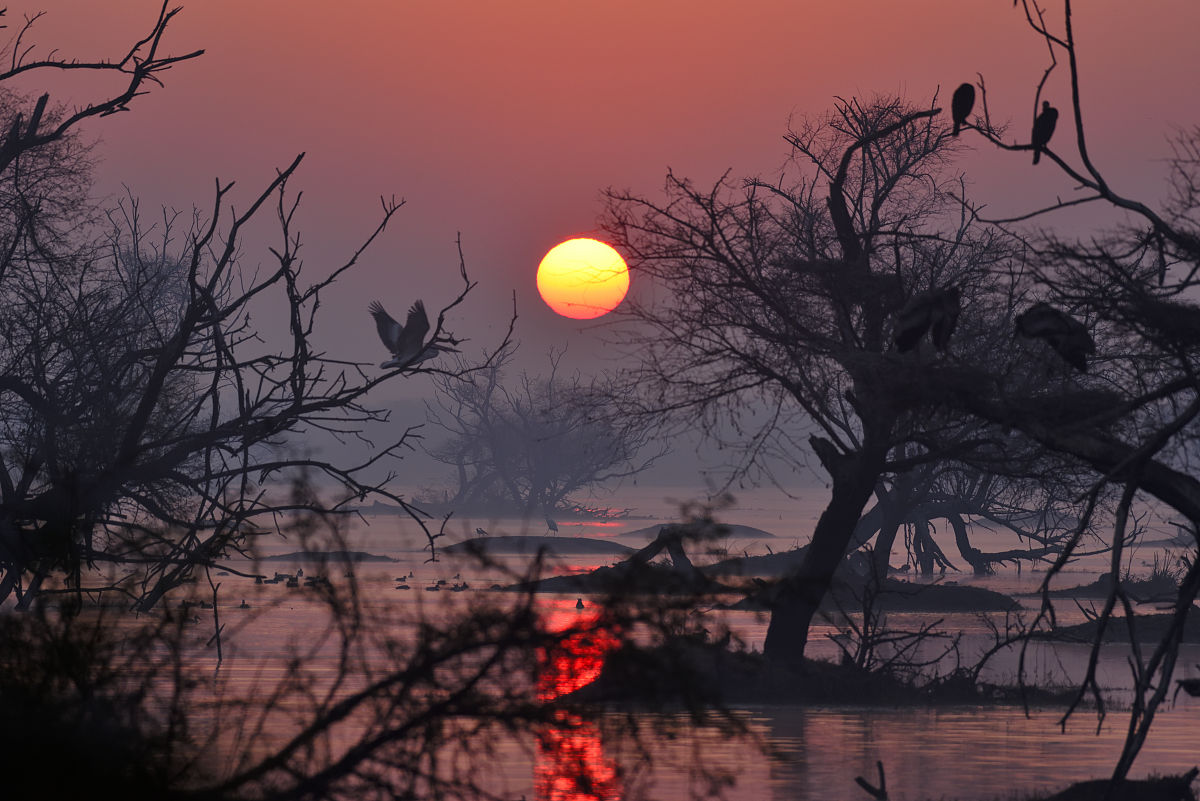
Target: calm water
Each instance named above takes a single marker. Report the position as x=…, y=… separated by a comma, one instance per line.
x=965, y=753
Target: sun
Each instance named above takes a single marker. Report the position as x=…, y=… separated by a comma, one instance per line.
x=582, y=278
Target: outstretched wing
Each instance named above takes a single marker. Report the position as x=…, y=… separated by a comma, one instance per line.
x=417, y=325
x=412, y=338
x=389, y=329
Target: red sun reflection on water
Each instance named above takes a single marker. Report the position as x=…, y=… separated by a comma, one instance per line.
x=571, y=765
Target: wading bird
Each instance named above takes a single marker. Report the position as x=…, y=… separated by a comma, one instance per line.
x=961, y=105
x=407, y=342
x=1067, y=336
x=1043, y=129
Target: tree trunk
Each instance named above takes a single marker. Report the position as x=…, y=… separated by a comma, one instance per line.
x=883, y=545
x=31, y=592
x=923, y=547
x=800, y=595
x=975, y=557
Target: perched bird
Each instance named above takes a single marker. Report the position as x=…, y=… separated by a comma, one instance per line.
x=1043, y=129
x=961, y=105
x=407, y=343
x=480, y=532
x=1067, y=336
x=936, y=311
x=551, y=525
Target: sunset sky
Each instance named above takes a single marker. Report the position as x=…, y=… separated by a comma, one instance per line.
x=505, y=120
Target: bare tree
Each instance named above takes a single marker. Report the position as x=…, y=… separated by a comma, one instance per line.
x=785, y=307
x=962, y=495
x=1123, y=303
x=145, y=418
x=141, y=67
x=146, y=421
x=529, y=444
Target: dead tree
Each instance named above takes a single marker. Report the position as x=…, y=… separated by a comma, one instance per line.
x=1127, y=292
x=781, y=306
x=528, y=442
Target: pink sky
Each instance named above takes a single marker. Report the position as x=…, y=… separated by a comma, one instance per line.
x=505, y=120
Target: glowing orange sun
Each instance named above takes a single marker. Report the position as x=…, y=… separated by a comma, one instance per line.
x=582, y=278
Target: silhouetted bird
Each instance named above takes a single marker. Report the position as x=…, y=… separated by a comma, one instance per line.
x=1043, y=129
x=961, y=105
x=480, y=532
x=1189, y=686
x=1169, y=323
x=407, y=342
x=1069, y=337
x=579, y=603
x=936, y=311
x=551, y=525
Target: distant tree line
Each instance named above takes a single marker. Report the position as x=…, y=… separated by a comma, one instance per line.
x=526, y=444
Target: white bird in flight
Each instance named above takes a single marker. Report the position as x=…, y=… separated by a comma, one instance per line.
x=406, y=342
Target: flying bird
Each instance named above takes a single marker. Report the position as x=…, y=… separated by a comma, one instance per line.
x=1067, y=336
x=1043, y=129
x=935, y=311
x=406, y=342
x=961, y=105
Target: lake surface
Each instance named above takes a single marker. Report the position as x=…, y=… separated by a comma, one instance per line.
x=968, y=753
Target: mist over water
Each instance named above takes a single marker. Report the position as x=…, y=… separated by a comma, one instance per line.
x=969, y=753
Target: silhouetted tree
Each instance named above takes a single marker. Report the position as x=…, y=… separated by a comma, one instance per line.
x=146, y=423
x=782, y=305
x=961, y=494
x=528, y=444
x=143, y=413
x=1117, y=303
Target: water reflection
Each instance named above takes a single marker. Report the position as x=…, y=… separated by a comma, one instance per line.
x=571, y=764
x=956, y=752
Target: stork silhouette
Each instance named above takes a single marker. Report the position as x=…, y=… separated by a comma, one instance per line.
x=935, y=311
x=407, y=342
x=961, y=105
x=1067, y=336
x=1043, y=129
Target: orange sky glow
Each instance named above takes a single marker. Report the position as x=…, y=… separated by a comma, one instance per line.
x=504, y=121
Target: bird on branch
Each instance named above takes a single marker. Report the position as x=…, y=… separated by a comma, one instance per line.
x=407, y=342
x=1043, y=129
x=961, y=105
x=935, y=311
x=1067, y=336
